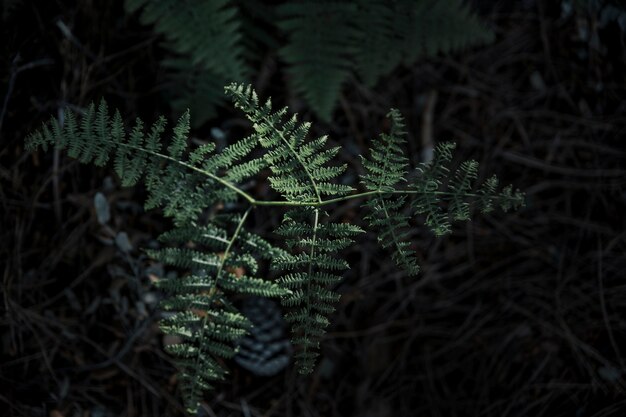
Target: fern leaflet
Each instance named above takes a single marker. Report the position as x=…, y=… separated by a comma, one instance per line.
x=300, y=172
x=204, y=319
x=385, y=171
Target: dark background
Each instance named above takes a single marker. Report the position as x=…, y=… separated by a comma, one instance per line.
x=518, y=314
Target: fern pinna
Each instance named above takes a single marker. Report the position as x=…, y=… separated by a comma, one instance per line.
x=202, y=189
x=385, y=172
x=300, y=172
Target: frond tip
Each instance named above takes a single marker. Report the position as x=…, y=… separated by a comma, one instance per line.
x=385, y=170
x=436, y=184
x=440, y=195
x=311, y=273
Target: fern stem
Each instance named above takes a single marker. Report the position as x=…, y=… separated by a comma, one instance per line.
x=298, y=158
x=350, y=197
x=254, y=202
x=222, y=181
x=310, y=270
x=230, y=245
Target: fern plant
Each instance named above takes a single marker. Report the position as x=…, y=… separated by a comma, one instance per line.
x=223, y=257
x=325, y=43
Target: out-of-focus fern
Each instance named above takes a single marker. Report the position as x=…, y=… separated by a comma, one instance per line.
x=195, y=88
x=406, y=30
x=205, y=37
x=329, y=40
x=428, y=27
x=223, y=258
x=376, y=50
x=319, y=50
x=208, y=31
x=326, y=43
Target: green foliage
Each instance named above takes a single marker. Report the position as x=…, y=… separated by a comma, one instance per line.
x=207, y=31
x=223, y=259
x=301, y=173
x=319, y=50
x=136, y=155
x=193, y=87
x=434, y=188
x=206, y=39
x=204, y=319
x=436, y=184
x=325, y=43
x=385, y=171
x=328, y=41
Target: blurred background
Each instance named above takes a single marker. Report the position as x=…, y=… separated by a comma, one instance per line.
x=517, y=314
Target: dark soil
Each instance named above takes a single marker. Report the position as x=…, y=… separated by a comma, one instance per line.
x=517, y=314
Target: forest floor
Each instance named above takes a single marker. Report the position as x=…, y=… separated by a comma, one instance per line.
x=517, y=314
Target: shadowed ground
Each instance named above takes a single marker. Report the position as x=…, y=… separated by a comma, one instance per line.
x=516, y=314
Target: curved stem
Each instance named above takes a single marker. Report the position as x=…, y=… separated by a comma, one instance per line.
x=220, y=180
x=309, y=272
x=350, y=197
x=254, y=202
x=298, y=158
x=230, y=245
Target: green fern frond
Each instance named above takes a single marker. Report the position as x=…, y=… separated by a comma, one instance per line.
x=300, y=172
x=384, y=172
x=193, y=87
x=210, y=325
x=298, y=165
x=312, y=270
x=184, y=187
x=208, y=50
x=200, y=187
x=388, y=165
x=377, y=48
x=436, y=184
x=328, y=41
x=395, y=32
